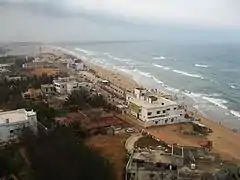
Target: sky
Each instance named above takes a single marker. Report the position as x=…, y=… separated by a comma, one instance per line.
x=89, y=20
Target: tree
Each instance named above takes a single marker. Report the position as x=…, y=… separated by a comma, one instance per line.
x=78, y=98
x=58, y=154
x=97, y=100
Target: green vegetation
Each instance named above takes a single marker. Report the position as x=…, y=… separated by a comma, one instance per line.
x=11, y=91
x=83, y=99
x=62, y=154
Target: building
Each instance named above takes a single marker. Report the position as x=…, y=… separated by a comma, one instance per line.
x=76, y=64
x=12, y=123
x=153, y=164
x=33, y=94
x=66, y=85
x=48, y=89
x=37, y=64
x=154, y=110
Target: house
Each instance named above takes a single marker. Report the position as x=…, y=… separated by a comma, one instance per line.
x=154, y=110
x=12, y=123
x=76, y=64
x=33, y=94
x=66, y=85
x=153, y=164
x=48, y=89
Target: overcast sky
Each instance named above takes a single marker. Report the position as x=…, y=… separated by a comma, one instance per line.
x=45, y=20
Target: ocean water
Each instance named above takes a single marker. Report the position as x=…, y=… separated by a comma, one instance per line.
x=205, y=76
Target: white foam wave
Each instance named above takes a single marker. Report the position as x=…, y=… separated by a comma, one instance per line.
x=217, y=102
x=157, y=80
x=159, y=57
x=201, y=65
x=85, y=51
x=188, y=74
x=117, y=58
x=65, y=51
x=175, y=90
x=235, y=113
x=232, y=86
x=146, y=74
x=160, y=66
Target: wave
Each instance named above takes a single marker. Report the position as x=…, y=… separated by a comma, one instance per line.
x=201, y=65
x=188, y=74
x=146, y=74
x=117, y=58
x=235, y=113
x=85, y=51
x=174, y=90
x=217, y=102
x=160, y=66
x=157, y=80
x=159, y=58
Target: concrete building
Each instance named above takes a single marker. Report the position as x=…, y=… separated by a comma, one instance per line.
x=66, y=85
x=153, y=164
x=33, y=94
x=154, y=110
x=12, y=123
x=75, y=64
x=48, y=89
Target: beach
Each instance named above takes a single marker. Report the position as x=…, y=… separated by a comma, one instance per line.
x=225, y=141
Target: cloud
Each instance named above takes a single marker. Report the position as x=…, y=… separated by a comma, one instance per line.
x=84, y=20
x=204, y=12
x=212, y=13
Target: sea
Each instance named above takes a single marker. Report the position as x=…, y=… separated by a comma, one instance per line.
x=204, y=76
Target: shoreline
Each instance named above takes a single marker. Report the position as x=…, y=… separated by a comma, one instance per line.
x=224, y=139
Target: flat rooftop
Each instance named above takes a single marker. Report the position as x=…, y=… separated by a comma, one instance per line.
x=153, y=156
x=15, y=116
x=160, y=102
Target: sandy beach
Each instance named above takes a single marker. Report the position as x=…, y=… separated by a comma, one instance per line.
x=225, y=141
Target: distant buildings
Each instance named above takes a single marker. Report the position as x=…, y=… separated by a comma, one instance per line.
x=37, y=64
x=154, y=110
x=12, y=123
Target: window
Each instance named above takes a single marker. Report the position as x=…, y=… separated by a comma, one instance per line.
x=180, y=114
x=168, y=109
x=164, y=111
x=149, y=113
x=158, y=112
x=172, y=119
x=166, y=121
x=175, y=108
x=162, y=103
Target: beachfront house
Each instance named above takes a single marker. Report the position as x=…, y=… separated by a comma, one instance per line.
x=66, y=85
x=12, y=123
x=153, y=110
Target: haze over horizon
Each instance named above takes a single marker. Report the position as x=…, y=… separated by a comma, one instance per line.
x=89, y=20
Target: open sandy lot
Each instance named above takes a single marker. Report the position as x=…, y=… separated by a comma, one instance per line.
x=111, y=147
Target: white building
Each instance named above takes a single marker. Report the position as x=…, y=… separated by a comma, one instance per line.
x=66, y=85
x=153, y=110
x=76, y=64
x=12, y=123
